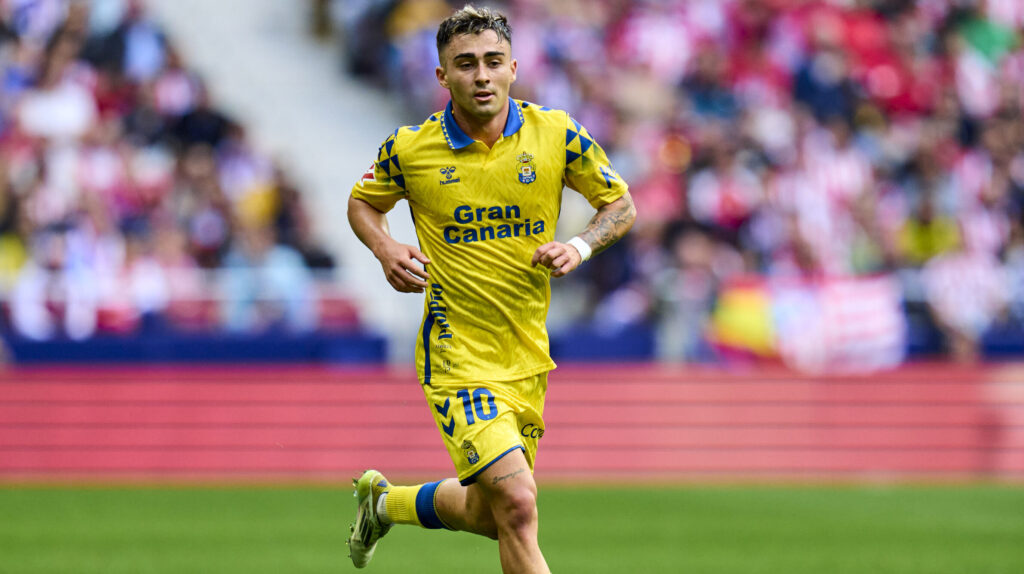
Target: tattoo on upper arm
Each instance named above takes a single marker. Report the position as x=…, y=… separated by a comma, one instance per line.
x=610, y=223
x=513, y=474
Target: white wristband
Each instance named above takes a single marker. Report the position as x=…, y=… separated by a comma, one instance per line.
x=581, y=246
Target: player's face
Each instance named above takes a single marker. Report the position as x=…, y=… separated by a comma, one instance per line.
x=478, y=70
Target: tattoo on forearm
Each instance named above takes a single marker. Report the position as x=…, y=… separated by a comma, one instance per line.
x=514, y=474
x=609, y=224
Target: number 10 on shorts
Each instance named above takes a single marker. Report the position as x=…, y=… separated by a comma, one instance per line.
x=475, y=405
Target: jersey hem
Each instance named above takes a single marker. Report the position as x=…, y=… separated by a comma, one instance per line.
x=549, y=366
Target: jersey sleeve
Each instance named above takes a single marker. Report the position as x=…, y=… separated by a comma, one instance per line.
x=383, y=184
x=587, y=169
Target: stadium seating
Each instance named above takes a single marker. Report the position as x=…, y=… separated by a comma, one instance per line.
x=138, y=219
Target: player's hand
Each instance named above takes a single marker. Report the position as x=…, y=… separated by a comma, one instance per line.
x=399, y=263
x=560, y=258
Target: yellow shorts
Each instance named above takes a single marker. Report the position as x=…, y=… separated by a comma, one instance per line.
x=482, y=422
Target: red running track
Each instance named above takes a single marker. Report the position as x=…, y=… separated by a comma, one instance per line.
x=603, y=423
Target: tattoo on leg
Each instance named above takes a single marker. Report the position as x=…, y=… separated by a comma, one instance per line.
x=498, y=479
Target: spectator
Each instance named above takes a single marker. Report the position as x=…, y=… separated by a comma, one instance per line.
x=13, y=251
x=685, y=291
x=266, y=286
x=60, y=107
x=967, y=291
x=927, y=234
x=56, y=292
x=202, y=124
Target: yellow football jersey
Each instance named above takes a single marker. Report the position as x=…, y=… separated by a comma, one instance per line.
x=480, y=213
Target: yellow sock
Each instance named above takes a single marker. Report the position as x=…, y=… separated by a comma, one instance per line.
x=401, y=504
x=414, y=505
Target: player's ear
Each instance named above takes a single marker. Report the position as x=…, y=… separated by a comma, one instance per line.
x=514, y=65
x=441, y=77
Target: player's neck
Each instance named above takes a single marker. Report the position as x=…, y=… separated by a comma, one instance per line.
x=486, y=131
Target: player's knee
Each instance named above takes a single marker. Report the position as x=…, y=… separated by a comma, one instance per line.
x=516, y=509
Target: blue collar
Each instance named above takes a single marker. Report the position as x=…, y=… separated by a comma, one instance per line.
x=457, y=139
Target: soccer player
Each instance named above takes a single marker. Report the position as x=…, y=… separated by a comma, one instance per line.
x=484, y=181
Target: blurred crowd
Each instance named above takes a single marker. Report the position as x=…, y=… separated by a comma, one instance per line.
x=129, y=201
x=775, y=139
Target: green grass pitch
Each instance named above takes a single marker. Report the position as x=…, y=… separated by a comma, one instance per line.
x=974, y=529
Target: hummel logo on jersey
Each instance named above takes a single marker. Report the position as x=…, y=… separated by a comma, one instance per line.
x=449, y=175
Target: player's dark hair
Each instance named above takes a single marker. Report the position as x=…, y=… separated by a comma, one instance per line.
x=472, y=20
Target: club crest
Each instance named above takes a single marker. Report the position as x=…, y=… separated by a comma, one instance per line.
x=470, y=452
x=527, y=171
